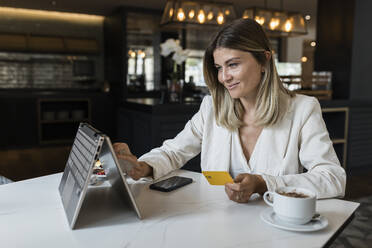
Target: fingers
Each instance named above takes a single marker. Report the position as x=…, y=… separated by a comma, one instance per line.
x=228, y=191
x=130, y=158
x=237, y=196
x=139, y=169
x=137, y=172
x=242, y=188
x=235, y=186
x=134, y=174
x=121, y=148
x=240, y=178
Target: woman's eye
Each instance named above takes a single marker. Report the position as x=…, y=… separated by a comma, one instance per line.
x=233, y=64
x=218, y=68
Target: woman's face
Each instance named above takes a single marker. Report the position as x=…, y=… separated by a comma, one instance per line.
x=238, y=71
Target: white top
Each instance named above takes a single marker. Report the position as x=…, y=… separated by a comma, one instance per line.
x=300, y=140
x=239, y=163
x=197, y=215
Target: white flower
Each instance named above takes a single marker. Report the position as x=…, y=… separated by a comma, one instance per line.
x=169, y=46
x=173, y=46
x=180, y=56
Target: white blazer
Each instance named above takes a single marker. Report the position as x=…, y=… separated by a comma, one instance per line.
x=300, y=140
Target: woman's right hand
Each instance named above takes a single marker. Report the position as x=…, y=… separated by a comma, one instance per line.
x=139, y=169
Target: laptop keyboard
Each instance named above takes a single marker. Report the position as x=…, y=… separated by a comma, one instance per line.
x=80, y=159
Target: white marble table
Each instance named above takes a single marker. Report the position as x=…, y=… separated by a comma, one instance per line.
x=197, y=215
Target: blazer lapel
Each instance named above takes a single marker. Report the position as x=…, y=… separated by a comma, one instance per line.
x=218, y=152
x=278, y=136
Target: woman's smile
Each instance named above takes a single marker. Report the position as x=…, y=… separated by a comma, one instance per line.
x=232, y=86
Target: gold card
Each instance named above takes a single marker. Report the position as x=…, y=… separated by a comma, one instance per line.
x=218, y=177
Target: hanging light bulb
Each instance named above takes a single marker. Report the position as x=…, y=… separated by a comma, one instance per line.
x=248, y=13
x=227, y=12
x=181, y=15
x=288, y=26
x=191, y=14
x=210, y=15
x=274, y=23
x=141, y=53
x=132, y=54
x=259, y=19
x=201, y=16
x=171, y=12
x=220, y=18
x=302, y=22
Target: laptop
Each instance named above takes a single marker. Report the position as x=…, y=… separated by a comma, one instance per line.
x=90, y=146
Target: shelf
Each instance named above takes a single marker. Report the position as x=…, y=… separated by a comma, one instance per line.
x=59, y=119
x=49, y=44
x=57, y=141
x=320, y=94
x=339, y=141
x=329, y=110
x=62, y=121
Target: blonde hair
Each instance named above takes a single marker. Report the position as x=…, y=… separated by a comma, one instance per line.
x=272, y=98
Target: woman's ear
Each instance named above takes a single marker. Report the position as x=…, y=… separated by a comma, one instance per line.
x=267, y=55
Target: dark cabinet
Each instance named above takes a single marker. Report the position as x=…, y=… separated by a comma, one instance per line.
x=34, y=119
x=18, y=125
x=337, y=121
x=58, y=119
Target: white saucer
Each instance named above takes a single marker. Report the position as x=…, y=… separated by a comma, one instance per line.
x=270, y=218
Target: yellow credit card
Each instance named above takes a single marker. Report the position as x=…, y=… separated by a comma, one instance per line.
x=218, y=177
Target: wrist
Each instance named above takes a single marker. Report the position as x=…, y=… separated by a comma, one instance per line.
x=148, y=171
x=261, y=186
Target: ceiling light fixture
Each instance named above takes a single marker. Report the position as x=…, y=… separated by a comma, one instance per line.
x=181, y=13
x=278, y=22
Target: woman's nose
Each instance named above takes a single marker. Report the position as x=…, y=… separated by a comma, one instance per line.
x=226, y=76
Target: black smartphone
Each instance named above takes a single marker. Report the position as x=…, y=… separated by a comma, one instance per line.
x=171, y=183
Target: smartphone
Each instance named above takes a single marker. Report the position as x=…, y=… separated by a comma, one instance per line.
x=171, y=183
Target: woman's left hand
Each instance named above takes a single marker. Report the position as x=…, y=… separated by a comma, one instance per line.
x=244, y=186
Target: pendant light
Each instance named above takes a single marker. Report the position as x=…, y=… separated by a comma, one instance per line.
x=278, y=22
x=185, y=13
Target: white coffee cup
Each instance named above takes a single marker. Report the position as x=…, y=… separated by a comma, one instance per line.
x=295, y=210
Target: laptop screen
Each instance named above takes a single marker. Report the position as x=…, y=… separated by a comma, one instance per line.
x=90, y=146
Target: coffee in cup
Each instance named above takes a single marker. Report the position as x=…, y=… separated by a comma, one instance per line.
x=293, y=194
x=291, y=204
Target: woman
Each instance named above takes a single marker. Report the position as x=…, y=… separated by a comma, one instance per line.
x=251, y=126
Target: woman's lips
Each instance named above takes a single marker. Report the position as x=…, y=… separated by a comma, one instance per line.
x=231, y=86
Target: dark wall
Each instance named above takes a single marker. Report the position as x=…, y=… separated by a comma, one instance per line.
x=334, y=43
x=115, y=54
x=361, y=86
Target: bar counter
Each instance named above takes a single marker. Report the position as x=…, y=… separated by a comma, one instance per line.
x=155, y=106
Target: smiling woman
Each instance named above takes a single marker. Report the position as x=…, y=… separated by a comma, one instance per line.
x=250, y=126
x=242, y=50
